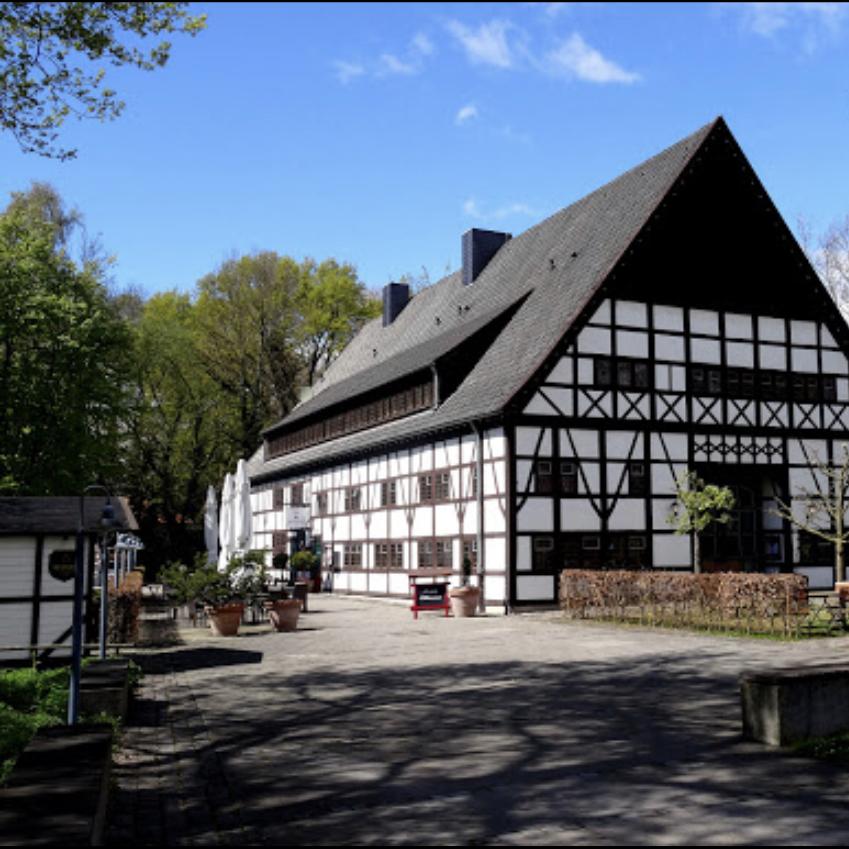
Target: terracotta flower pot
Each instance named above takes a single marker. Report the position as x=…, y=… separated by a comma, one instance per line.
x=284, y=614
x=225, y=619
x=464, y=600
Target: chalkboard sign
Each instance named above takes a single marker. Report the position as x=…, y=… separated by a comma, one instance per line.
x=430, y=595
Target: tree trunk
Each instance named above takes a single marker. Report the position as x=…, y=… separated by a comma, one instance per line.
x=839, y=566
x=697, y=554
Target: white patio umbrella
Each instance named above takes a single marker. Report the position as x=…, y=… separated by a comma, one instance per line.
x=242, y=515
x=225, y=523
x=210, y=526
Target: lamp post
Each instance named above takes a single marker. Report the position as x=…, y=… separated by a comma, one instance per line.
x=107, y=521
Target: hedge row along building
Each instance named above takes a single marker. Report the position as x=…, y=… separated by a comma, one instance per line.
x=533, y=410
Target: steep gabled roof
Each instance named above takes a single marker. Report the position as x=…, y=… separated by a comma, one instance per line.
x=60, y=514
x=557, y=265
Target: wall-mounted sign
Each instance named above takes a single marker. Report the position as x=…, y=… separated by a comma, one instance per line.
x=297, y=518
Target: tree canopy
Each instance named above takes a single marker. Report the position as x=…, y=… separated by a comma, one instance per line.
x=52, y=58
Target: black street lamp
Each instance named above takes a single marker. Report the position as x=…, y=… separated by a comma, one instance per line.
x=107, y=521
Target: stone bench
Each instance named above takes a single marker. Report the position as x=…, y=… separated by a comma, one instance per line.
x=105, y=688
x=58, y=792
x=785, y=706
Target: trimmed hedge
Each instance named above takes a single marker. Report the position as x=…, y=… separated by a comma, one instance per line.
x=724, y=601
x=124, y=608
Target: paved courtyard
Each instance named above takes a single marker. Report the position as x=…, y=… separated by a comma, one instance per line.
x=366, y=726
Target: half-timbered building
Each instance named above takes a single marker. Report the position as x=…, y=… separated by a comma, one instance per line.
x=533, y=410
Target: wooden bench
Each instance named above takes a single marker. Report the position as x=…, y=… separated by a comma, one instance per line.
x=785, y=706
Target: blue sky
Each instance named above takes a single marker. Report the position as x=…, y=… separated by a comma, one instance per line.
x=377, y=134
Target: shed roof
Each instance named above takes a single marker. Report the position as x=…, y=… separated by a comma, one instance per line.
x=60, y=514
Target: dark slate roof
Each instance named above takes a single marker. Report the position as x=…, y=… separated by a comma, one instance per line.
x=559, y=264
x=60, y=514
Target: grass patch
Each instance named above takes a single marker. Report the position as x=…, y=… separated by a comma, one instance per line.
x=834, y=748
x=31, y=699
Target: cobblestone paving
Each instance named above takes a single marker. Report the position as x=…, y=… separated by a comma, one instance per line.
x=368, y=727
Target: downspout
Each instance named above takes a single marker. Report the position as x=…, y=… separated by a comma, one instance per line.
x=481, y=564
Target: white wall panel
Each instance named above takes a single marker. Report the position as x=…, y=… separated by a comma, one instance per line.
x=539, y=406
x=705, y=351
x=536, y=514
x=834, y=362
x=668, y=318
x=619, y=443
x=447, y=522
x=49, y=584
x=590, y=480
x=804, y=359
x=399, y=583
x=602, y=314
x=813, y=448
x=663, y=478
x=668, y=347
x=585, y=441
x=562, y=372
x=738, y=326
x=671, y=550
x=494, y=520
x=819, y=577
x=772, y=356
x=357, y=582
x=495, y=551
x=771, y=329
x=704, y=321
x=527, y=438
x=423, y=522
x=55, y=618
x=378, y=582
x=826, y=339
x=534, y=587
x=17, y=565
x=661, y=511
x=594, y=340
x=379, y=528
x=803, y=332
x=523, y=554
x=561, y=398
x=496, y=443
x=740, y=354
x=632, y=343
x=577, y=514
x=631, y=313
x=15, y=626
x=629, y=514
x=496, y=589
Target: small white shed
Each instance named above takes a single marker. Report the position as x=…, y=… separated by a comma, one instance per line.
x=37, y=551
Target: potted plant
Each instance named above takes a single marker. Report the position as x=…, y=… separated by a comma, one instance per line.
x=283, y=613
x=224, y=593
x=307, y=568
x=181, y=587
x=464, y=599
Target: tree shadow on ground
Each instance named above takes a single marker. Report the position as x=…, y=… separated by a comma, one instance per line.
x=202, y=657
x=642, y=751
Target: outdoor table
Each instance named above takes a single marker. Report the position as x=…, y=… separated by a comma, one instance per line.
x=429, y=590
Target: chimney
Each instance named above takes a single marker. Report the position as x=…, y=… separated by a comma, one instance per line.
x=395, y=298
x=479, y=247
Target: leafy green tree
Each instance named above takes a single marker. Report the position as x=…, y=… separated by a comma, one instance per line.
x=246, y=322
x=332, y=306
x=52, y=57
x=174, y=445
x=697, y=506
x=63, y=351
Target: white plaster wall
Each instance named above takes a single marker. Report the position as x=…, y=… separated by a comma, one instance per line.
x=628, y=514
x=771, y=329
x=526, y=441
x=537, y=514
x=705, y=351
x=619, y=444
x=50, y=586
x=738, y=326
x=447, y=522
x=632, y=343
x=562, y=372
x=803, y=359
x=15, y=627
x=577, y=514
x=632, y=313
x=671, y=550
x=495, y=552
x=524, y=560
x=594, y=340
x=17, y=559
x=669, y=347
x=585, y=441
x=668, y=318
x=423, y=521
x=602, y=314
x=704, y=321
x=494, y=519
x=534, y=587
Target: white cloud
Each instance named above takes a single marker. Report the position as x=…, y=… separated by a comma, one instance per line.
x=407, y=63
x=422, y=45
x=473, y=210
x=347, y=71
x=391, y=64
x=487, y=45
x=813, y=22
x=466, y=113
x=575, y=58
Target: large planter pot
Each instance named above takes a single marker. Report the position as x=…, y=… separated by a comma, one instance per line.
x=464, y=600
x=225, y=619
x=284, y=614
